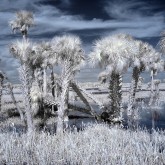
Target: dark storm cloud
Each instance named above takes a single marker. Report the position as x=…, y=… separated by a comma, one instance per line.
x=125, y=16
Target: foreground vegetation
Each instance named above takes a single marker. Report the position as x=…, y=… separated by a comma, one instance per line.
x=97, y=144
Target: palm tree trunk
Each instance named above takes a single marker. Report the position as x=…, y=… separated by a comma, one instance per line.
x=90, y=96
x=24, y=34
x=134, y=83
x=115, y=94
x=63, y=106
x=153, y=118
x=52, y=82
x=25, y=80
x=26, y=85
x=1, y=87
x=157, y=93
x=151, y=102
x=10, y=87
x=79, y=93
x=152, y=88
x=63, y=96
x=44, y=83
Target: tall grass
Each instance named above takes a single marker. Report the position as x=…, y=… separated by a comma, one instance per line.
x=95, y=145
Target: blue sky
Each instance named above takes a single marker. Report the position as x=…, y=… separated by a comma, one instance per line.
x=90, y=19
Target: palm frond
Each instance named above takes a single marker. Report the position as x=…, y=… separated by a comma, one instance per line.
x=23, y=20
x=68, y=48
x=21, y=50
x=114, y=50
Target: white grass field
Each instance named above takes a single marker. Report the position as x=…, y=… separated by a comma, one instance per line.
x=96, y=145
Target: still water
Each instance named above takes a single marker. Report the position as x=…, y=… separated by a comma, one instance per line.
x=143, y=118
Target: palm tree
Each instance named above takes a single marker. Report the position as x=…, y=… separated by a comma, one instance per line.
x=69, y=53
x=22, y=51
x=145, y=58
x=23, y=21
x=42, y=59
x=153, y=63
x=113, y=53
x=138, y=65
x=154, y=67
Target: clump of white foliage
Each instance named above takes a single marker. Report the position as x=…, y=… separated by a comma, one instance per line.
x=21, y=50
x=23, y=21
x=70, y=55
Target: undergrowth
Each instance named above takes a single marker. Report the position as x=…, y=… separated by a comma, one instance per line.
x=97, y=144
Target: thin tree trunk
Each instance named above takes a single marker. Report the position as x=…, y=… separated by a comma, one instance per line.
x=44, y=83
x=40, y=85
x=120, y=94
x=152, y=89
x=90, y=96
x=1, y=87
x=25, y=80
x=79, y=93
x=10, y=87
x=134, y=83
x=24, y=35
x=153, y=118
x=151, y=102
x=115, y=94
x=52, y=82
x=157, y=93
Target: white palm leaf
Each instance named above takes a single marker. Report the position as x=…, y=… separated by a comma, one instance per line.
x=21, y=50
x=114, y=50
x=42, y=55
x=24, y=20
x=68, y=48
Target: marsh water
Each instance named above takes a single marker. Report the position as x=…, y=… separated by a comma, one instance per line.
x=144, y=120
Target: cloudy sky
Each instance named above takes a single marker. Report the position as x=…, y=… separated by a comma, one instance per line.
x=90, y=19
